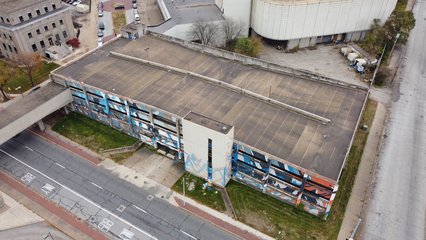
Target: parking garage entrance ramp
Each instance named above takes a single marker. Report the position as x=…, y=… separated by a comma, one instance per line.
x=32, y=108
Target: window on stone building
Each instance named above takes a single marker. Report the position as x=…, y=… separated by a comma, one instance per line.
x=30, y=15
x=34, y=47
x=21, y=19
x=53, y=6
x=38, y=12
x=30, y=35
x=65, y=34
x=46, y=28
x=54, y=25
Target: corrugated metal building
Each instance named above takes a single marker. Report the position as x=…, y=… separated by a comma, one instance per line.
x=305, y=23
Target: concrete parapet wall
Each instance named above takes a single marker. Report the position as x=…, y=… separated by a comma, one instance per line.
x=255, y=62
x=35, y=115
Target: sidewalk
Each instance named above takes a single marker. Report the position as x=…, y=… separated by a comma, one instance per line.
x=219, y=219
x=357, y=200
x=14, y=215
x=53, y=214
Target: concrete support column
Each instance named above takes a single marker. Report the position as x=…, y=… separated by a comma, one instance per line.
x=299, y=197
x=180, y=153
x=41, y=125
x=330, y=203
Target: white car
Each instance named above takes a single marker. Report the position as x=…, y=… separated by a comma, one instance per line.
x=100, y=33
x=76, y=2
x=100, y=42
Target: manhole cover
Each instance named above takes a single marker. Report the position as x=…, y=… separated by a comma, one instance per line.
x=150, y=197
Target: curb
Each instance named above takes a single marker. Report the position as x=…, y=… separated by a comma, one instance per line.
x=51, y=207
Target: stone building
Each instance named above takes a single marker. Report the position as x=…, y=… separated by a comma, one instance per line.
x=28, y=26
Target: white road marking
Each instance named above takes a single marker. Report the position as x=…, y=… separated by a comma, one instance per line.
x=140, y=209
x=29, y=148
x=126, y=234
x=96, y=185
x=47, y=188
x=81, y=196
x=105, y=225
x=27, y=178
x=59, y=165
x=187, y=234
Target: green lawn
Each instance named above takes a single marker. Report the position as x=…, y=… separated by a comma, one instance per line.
x=91, y=133
x=283, y=221
x=21, y=79
x=212, y=199
x=118, y=20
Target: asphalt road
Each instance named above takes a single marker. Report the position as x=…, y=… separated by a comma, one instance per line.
x=102, y=200
x=397, y=208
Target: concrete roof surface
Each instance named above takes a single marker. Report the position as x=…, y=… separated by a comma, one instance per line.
x=275, y=130
x=188, y=11
x=28, y=103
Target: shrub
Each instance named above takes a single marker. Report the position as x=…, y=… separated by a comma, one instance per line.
x=249, y=46
x=74, y=42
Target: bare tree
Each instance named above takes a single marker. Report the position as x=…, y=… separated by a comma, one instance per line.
x=203, y=31
x=231, y=29
x=27, y=63
x=7, y=71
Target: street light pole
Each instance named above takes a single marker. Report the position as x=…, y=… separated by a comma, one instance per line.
x=394, y=43
x=183, y=185
x=147, y=53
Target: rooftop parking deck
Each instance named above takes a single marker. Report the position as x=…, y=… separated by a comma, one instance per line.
x=271, y=128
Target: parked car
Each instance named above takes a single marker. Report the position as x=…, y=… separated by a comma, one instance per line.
x=100, y=33
x=76, y=2
x=137, y=18
x=118, y=6
x=133, y=1
x=134, y=6
x=101, y=25
x=100, y=42
x=100, y=13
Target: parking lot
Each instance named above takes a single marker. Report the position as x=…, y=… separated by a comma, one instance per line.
x=325, y=60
